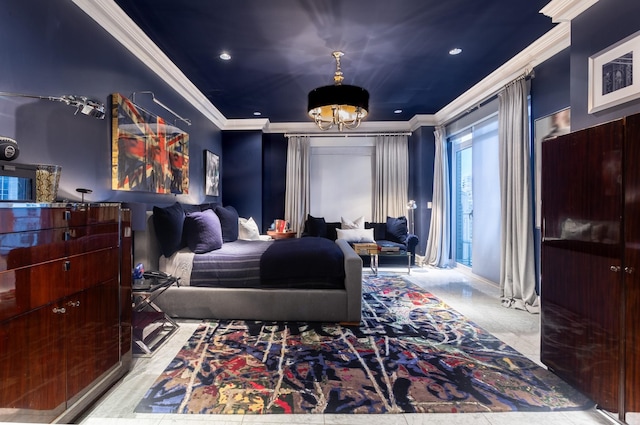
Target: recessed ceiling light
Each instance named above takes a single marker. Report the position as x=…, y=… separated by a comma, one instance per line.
x=397, y=111
x=257, y=113
x=455, y=51
x=225, y=56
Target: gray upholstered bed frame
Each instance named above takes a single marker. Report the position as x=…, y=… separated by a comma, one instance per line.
x=323, y=305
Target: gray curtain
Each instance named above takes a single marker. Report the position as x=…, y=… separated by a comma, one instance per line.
x=296, y=204
x=437, y=253
x=391, y=178
x=517, y=275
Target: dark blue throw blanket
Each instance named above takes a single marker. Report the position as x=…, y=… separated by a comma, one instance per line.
x=313, y=261
x=307, y=263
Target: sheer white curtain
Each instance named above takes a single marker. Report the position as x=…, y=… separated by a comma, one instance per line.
x=437, y=253
x=517, y=275
x=391, y=178
x=296, y=204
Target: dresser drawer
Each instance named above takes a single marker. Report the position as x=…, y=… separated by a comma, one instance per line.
x=28, y=248
x=26, y=219
x=91, y=269
x=92, y=238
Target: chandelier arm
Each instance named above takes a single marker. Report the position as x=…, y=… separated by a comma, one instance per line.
x=321, y=124
x=352, y=125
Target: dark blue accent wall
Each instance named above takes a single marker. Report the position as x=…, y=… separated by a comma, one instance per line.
x=241, y=172
x=53, y=48
x=602, y=25
x=421, y=159
x=550, y=89
x=274, y=177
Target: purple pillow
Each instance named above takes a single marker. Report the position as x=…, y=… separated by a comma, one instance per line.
x=168, y=223
x=202, y=231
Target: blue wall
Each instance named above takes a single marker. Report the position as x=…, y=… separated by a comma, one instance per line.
x=241, y=172
x=53, y=48
x=421, y=158
x=550, y=88
x=274, y=177
x=602, y=25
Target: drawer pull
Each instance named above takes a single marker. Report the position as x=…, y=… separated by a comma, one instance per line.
x=615, y=269
x=629, y=270
x=60, y=310
x=67, y=215
x=66, y=266
x=73, y=303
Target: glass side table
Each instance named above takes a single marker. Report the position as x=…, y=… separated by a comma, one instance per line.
x=151, y=326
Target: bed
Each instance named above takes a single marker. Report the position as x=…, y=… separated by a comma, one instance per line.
x=229, y=296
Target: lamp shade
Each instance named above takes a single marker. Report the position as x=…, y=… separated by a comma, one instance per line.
x=340, y=104
x=344, y=94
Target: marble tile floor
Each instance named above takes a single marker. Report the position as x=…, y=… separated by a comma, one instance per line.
x=476, y=299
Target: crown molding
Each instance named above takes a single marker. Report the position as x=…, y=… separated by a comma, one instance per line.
x=566, y=10
x=550, y=44
x=117, y=23
x=422, y=120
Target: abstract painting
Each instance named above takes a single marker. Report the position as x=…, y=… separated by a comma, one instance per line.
x=148, y=154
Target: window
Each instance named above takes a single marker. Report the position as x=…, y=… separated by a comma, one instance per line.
x=341, y=177
x=476, y=197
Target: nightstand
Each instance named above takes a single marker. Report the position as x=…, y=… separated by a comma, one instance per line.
x=151, y=326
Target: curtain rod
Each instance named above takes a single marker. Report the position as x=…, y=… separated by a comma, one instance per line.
x=406, y=133
x=528, y=74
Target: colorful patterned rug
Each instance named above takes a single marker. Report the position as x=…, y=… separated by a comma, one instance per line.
x=411, y=353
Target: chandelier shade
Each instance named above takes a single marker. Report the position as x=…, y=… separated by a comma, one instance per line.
x=339, y=105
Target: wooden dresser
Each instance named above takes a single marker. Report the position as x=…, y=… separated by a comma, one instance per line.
x=65, y=307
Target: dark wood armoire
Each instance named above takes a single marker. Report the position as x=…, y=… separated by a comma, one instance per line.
x=590, y=262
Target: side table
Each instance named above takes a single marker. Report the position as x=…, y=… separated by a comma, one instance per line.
x=281, y=235
x=374, y=259
x=151, y=326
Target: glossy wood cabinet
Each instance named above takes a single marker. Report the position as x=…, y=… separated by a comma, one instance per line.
x=590, y=281
x=65, y=331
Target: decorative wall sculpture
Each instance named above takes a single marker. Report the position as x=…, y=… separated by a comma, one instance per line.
x=147, y=153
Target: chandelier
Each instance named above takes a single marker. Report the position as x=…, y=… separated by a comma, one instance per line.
x=339, y=105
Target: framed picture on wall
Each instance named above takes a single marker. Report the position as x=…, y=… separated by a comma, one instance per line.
x=611, y=79
x=147, y=153
x=546, y=128
x=212, y=173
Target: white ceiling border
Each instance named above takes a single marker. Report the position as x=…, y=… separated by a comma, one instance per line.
x=566, y=10
x=117, y=23
x=550, y=44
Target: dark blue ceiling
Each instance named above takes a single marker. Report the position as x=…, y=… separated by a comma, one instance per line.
x=281, y=49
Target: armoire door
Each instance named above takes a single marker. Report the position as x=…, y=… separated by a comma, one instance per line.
x=632, y=264
x=581, y=281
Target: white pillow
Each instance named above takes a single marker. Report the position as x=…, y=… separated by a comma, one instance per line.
x=358, y=223
x=356, y=235
x=248, y=229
